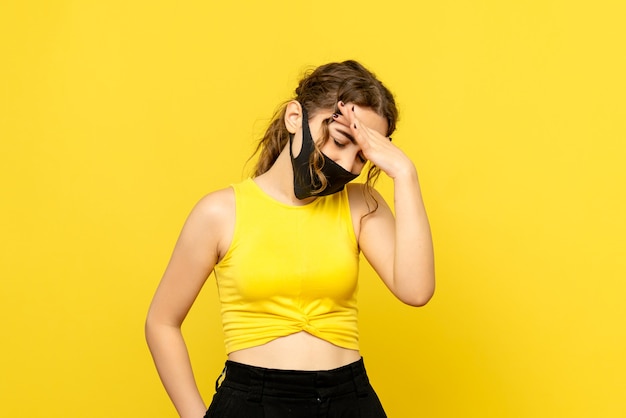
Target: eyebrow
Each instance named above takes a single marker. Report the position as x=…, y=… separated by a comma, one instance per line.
x=347, y=135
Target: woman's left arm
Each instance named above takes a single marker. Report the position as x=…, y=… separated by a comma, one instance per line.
x=399, y=248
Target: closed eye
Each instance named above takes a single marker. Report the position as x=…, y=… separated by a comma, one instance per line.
x=338, y=144
x=347, y=135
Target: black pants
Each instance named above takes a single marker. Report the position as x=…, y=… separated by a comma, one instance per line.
x=255, y=392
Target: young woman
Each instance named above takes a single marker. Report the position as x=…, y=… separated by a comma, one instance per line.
x=285, y=246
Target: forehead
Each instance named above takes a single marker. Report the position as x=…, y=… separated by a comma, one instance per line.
x=372, y=120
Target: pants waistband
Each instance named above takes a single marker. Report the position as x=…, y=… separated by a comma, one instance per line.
x=259, y=380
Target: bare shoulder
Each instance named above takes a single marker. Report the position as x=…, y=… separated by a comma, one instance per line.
x=367, y=208
x=362, y=200
x=212, y=221
x=217, y=204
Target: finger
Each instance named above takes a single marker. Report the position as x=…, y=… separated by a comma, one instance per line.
x=356, y=124
x=349, y=119
x=342, y=120
x=353, y=109
x=348, y=113
x=363, y=134
x=347, y=110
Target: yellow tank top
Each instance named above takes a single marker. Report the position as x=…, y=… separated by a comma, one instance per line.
x=289, y=269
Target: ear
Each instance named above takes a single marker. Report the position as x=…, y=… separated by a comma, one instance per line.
x=293, y=116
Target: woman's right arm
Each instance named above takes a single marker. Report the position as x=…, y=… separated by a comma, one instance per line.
x=204, y=238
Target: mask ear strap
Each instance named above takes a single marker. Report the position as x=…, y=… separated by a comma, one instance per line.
x=291, y=144
x=307, y=146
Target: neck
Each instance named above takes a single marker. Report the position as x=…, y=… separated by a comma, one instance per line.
x=278, y=181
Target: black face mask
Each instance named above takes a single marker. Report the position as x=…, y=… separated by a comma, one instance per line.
x=303, y=183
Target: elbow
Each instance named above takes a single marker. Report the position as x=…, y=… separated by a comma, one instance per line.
x=157, y=325
x=417, y=300
x=420, y=295
x=153, y=328
x=150, y=322
x=149, y=329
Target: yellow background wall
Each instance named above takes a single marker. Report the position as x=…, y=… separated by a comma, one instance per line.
x=117, y=116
